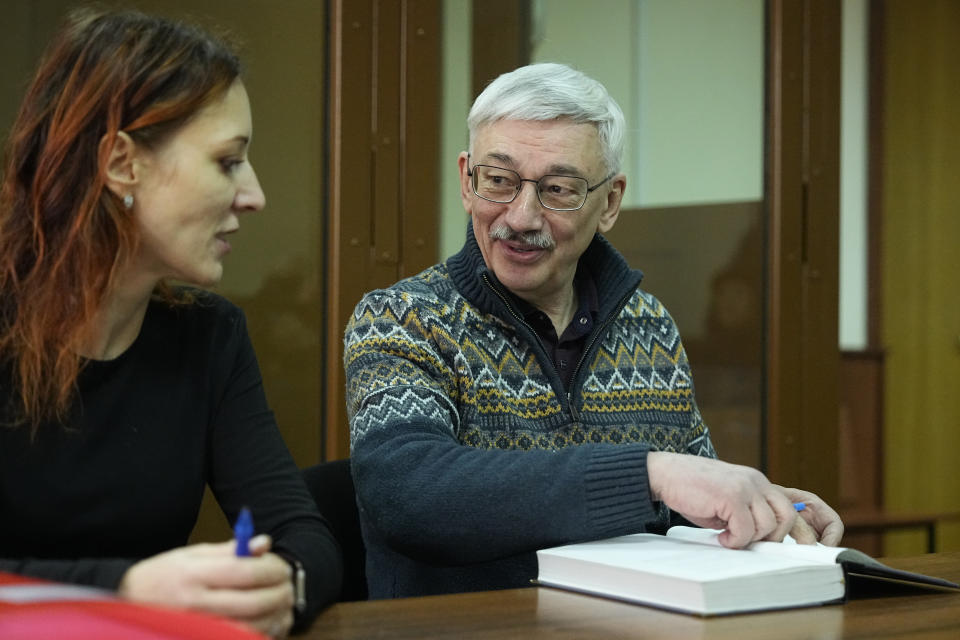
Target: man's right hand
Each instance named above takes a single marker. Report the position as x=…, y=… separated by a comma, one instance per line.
x=719, y=495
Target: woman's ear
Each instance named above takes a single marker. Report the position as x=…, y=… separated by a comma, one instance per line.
x=120, y=167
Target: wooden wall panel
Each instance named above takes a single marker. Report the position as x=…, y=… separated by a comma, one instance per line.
x=821, y=239
x=921, y=261
x=384, y=133
x=861, y=442
x=785, y=201
x=420, y=158
x=803, y=198
x=501, y=39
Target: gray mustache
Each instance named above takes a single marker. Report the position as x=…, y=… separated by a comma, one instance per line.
x=539, y=239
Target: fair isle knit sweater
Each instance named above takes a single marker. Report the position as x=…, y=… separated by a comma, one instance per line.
x=467, y=453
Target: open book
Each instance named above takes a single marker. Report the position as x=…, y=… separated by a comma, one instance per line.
x=688, y=570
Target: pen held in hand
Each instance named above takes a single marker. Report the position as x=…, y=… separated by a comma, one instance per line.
x=799, y=506
x=243, y=531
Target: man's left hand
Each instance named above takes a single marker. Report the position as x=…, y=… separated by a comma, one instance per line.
x=818, y=522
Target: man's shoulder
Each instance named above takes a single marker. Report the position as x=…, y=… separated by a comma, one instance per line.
x=431, y=288
x=643, y=304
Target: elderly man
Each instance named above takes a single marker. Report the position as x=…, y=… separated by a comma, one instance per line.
x=527, y=393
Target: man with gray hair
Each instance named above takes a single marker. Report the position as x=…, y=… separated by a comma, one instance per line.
x=526, y=393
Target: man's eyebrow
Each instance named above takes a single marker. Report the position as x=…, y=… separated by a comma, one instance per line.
x=499, y=157
x=554, y=169
x=565, y=170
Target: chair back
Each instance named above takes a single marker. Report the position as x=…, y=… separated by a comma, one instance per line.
x=331, y=485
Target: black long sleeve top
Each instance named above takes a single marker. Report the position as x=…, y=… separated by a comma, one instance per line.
x=181, y=408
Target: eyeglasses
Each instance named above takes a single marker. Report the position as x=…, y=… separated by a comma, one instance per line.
x=559, y=193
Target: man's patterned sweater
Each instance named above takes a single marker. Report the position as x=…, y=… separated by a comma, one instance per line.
x=467, y=453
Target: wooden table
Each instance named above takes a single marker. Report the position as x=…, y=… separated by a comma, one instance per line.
x=550, y=613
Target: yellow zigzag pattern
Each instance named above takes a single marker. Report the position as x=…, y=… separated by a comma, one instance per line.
x=418, y=340
x=638, y=357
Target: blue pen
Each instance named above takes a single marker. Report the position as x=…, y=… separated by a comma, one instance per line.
x=799, y=506
x=243, y=531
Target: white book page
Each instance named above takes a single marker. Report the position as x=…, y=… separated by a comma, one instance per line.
x=676, y=557
x=789, y=547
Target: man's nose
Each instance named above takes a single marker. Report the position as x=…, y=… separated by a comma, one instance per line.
x=526, y=211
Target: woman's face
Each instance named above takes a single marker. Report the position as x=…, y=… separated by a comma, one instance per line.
x=192, y=190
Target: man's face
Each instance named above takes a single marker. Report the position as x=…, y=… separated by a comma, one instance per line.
x=533, y=250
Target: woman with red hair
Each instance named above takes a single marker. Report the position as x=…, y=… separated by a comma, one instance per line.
x=121, y=396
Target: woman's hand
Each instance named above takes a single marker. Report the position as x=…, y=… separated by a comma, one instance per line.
x=255, y=590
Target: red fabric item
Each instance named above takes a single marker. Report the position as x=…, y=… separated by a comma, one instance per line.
x=29, y=610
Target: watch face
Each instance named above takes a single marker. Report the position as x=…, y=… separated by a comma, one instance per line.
x=299, y=587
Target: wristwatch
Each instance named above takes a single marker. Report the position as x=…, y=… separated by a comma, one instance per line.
x=299, y=587
x=299, y=579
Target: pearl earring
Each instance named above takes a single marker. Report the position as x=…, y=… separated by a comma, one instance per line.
x=128, y=201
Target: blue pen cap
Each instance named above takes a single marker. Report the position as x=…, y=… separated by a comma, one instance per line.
x=243, y=531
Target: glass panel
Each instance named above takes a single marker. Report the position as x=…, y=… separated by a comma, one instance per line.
x=705, y=263
x=689, y=75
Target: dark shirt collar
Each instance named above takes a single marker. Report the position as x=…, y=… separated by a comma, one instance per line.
x=587, y=307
